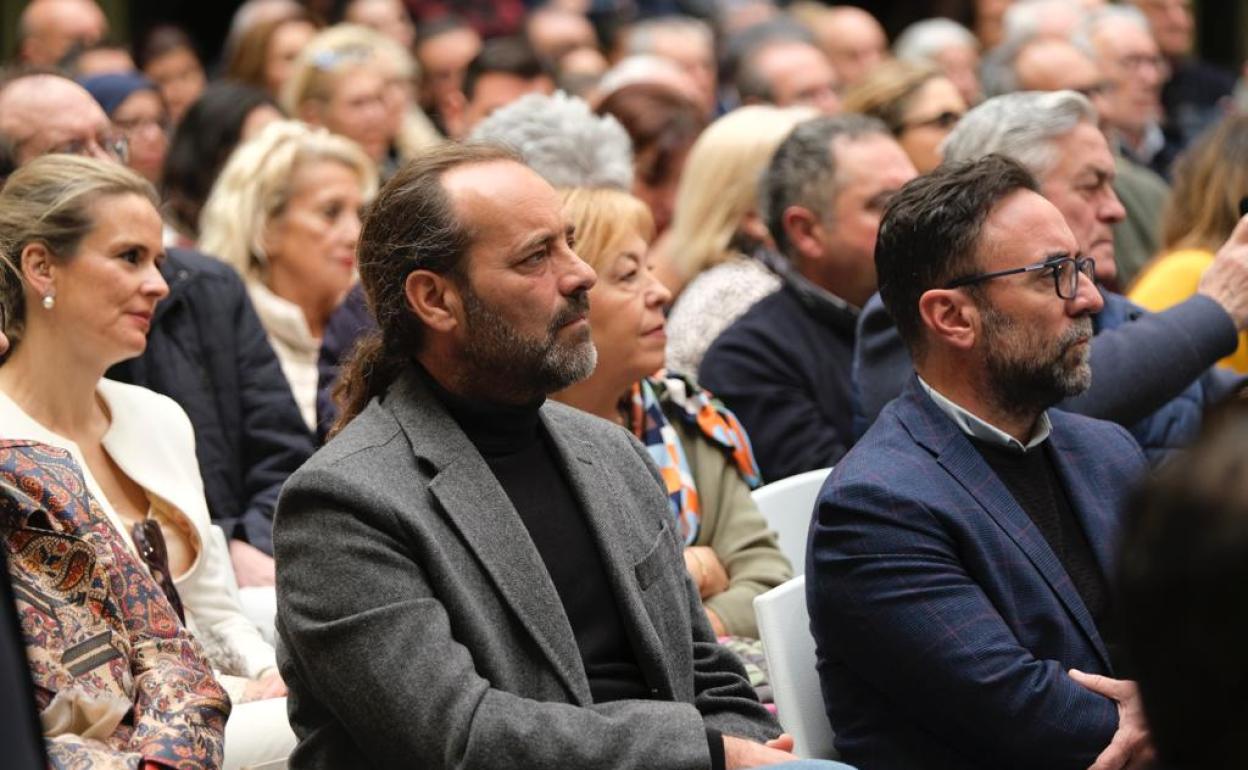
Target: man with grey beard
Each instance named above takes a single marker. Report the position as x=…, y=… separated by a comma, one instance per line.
x=957, y=572
x=470, y=575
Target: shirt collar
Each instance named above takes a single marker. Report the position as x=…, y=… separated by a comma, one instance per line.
x=985, y=431
x=1152, y=142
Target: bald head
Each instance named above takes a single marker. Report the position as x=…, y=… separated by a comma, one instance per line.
x=853, y=41
x=40, y=114
x=50, y=28
x=1047, y=64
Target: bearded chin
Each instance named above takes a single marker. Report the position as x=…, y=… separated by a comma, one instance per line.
x=1027, y=385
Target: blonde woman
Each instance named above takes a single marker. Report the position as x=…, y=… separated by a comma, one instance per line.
x=716, y=229
x=701, y=450
x=340, y=81
x=285, y=213
x=80, y=242
x=917, y=103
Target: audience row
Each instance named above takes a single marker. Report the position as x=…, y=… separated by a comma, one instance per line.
x=466, y=350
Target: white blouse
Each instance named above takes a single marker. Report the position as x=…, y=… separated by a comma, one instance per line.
x=151, y=440
x=292, y=341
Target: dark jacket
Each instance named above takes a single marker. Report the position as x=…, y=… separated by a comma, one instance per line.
x=350, y=321
x=943, y=620
x=784, y=368
x=208, y=351
x=420, y=626
x=1150, y=371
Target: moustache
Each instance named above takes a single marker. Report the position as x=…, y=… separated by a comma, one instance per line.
x=1080, y=331
x=576, y=308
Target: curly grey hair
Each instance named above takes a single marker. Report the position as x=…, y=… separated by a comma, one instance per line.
x=1022, y=126
x=561, y=139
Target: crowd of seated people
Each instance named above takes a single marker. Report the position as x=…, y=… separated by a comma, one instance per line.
x=389, y=382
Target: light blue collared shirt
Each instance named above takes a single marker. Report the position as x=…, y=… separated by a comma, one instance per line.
x=985, y=431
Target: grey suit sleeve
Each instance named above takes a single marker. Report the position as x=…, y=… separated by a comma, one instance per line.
x=378, y=648
x=722, y=693
x=1139, y=366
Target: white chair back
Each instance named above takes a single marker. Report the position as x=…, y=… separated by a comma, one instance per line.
x=784, y=627
x=786, y=506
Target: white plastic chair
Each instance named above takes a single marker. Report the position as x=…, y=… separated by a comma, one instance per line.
x=784, y=627
x=786, y=506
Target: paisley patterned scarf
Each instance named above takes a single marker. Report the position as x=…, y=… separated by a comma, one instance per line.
x=696, y=408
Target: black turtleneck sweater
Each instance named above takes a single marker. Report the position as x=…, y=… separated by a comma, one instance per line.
x=518, y=450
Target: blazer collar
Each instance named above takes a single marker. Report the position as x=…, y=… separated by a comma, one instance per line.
x=933, y=430
x=621, y=544
x=480, y=511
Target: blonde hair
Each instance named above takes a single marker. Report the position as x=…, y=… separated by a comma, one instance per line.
x=604, y=218
x=888, y=90
x=343, y=47
x=719, y=185
x=1210, y=178
x=254, y=186
x=48, y=201
x=333, y=52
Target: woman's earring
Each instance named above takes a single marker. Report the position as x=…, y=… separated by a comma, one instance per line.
x=49, y=301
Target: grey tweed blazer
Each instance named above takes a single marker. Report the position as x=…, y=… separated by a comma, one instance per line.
x=420, y=628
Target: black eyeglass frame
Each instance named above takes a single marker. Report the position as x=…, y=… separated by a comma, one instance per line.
x=1084, y=265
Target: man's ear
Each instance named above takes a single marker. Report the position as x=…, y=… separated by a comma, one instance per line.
x=951, y=317
x=37, y=268
x=434, y=299
x=804, y=231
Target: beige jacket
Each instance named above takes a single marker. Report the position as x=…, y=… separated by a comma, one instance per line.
x=152, y=441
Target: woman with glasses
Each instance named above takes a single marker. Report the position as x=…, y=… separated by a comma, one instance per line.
x=917, y=103
x=134, y=105
x=81, y=244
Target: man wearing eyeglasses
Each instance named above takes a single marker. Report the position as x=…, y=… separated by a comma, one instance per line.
x=1047, y=64
x=1153, y=372
x=206, y=349
x=42, y=114
x=958, y=558
x=1132, y=63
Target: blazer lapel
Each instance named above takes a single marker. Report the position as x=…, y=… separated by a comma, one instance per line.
x=959, y=458
x=1098, y=517
x=479, y=509
x=619, y=544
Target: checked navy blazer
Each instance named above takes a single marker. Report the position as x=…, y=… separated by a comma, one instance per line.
x=945, y=623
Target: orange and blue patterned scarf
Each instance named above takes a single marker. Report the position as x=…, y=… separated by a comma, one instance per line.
x=697, y=408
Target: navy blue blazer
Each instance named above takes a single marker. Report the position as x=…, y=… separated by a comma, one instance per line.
x=944, y=622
